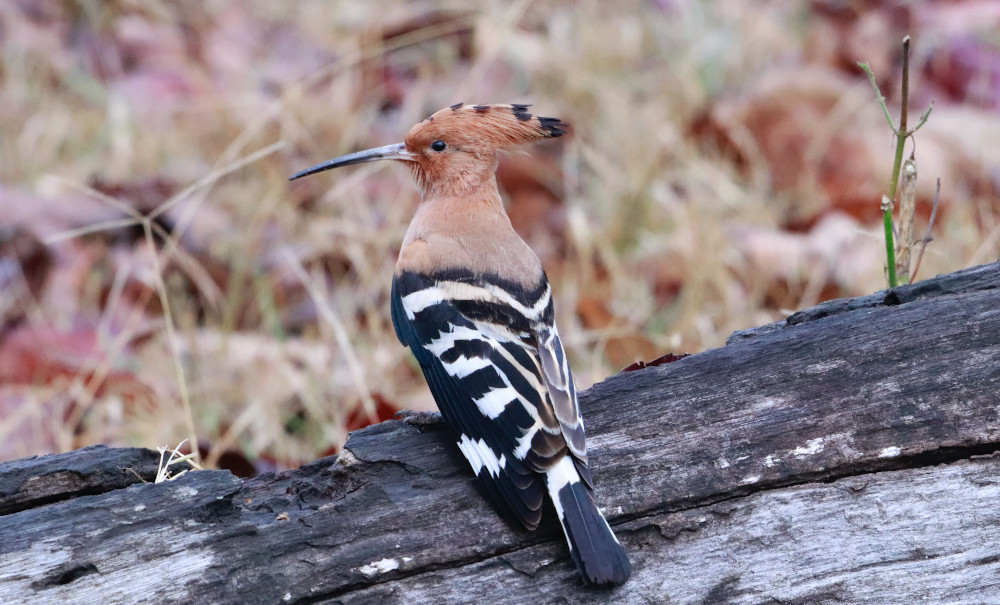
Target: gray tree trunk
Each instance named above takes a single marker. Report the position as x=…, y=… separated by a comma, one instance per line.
x=842, y=456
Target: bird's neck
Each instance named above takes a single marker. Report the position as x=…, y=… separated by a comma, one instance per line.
x=465, y=177
x=479, y=200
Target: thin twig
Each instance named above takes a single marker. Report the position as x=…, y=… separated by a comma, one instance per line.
x=878, y=94
x=163, y=468
x=172, y=341
x=354, y=366
x=927, y=237
x=211, y=178
x=923, y=118
x=905, y=99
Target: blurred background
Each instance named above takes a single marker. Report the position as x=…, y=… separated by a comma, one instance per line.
x=160, y=278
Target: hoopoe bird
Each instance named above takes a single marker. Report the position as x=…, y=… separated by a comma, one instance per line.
x=472, y=302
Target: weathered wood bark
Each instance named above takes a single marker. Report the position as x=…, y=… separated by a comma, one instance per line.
x=844, y=456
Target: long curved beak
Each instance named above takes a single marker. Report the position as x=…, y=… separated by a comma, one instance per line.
x=396, y=151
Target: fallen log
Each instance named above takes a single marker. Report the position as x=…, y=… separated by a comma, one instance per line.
x=844, y=455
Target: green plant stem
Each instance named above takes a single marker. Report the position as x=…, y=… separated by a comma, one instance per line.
x=890, y=246
x=901, y=134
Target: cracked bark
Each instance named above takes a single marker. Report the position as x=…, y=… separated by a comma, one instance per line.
x=844, y=455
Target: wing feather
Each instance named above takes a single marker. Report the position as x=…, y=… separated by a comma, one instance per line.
x=562, y=392
x=485, y=441
x=498, y=372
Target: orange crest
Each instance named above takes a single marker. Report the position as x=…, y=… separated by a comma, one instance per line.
x=483, y=128
x=455, y=149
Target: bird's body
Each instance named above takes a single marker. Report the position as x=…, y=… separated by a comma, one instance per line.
x=472, y=302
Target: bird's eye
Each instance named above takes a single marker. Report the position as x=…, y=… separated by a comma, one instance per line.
x=438, y=145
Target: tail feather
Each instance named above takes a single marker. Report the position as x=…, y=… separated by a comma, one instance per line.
x=594, y=548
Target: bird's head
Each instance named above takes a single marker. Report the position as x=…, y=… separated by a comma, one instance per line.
x=455, y=150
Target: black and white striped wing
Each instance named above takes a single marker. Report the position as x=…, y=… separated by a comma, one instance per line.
x=477, y=346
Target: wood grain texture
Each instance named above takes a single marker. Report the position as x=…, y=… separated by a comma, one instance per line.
x=916, y=535
x=840, y=456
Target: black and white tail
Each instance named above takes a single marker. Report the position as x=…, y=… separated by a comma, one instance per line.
x=594, y=548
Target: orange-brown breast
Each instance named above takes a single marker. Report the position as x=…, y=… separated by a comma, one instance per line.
x=471, y=234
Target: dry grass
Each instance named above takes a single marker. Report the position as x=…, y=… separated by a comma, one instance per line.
x=253, y=314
